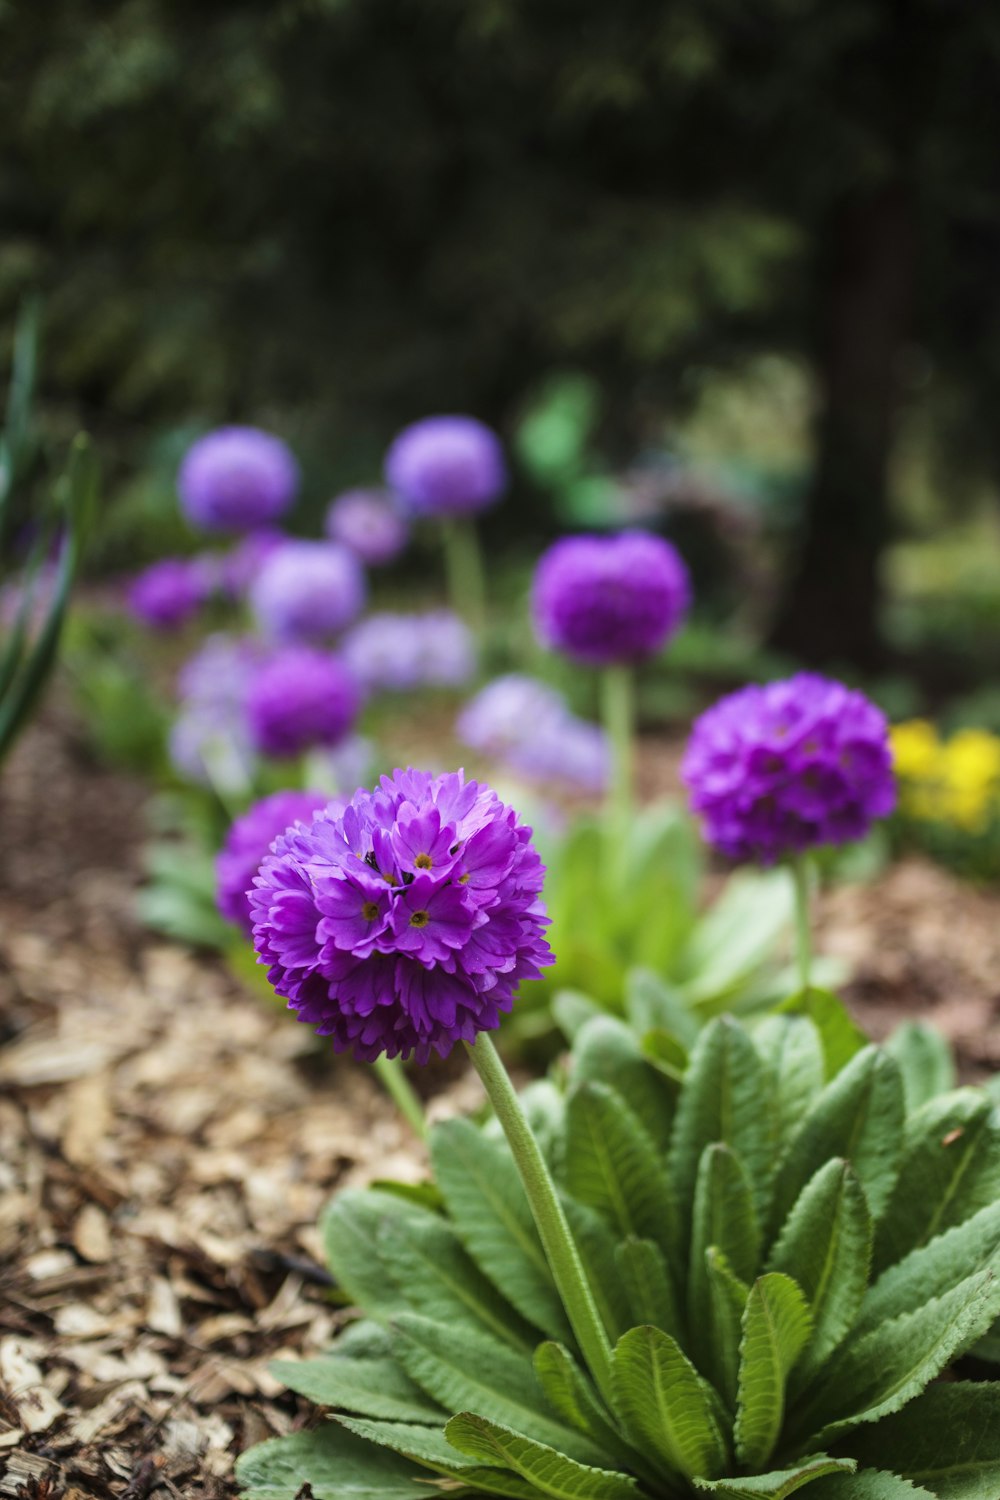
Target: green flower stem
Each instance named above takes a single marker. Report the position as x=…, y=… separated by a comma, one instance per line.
x=392, y=1076
x=464, y=566
x=801, y=868
x=557, y=1240
x=618, y=713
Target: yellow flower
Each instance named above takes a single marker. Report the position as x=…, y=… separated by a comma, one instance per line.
x=971, y=778
x=915, y=750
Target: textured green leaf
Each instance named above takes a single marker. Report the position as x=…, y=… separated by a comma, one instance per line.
x=351, y=1227
x=840, y=1035
x=948, y=1439
x=776, y=1328
x=369, y=1387
x=879, y=1374
x=572, y=1010
x=416, y=1441
x=597, y=1246
x=668, y=1410
x=859, y=1116
x=646, y=1278
x=335, y=1465
x=488, y=1207
x=736, y=935
x=727, y=1300
x=933, y=1269
x=825, y=1246
x=667, y=1055
x=549, y=1470
x=724, y=1217
x=726, y=1098
x=606, y=1051
x=792, y=1048
x=613, y=1165
x=869, y=1484
x=950, y=1170
x=571, y=1394
x=463, y=1369
x=779, y=1483
x=652, y=1004
x=925, y=1060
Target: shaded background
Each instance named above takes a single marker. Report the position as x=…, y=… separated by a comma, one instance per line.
x=752, y=246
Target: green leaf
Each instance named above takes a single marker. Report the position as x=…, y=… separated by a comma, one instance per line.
x=859, y=1116
x=668, y=1410
x=572, y=1395
x=463, y=1369
x=490, y=1211
x=572, y=1010
x=644, y=1274
x=736, y=935
x=606, y=1051
x=613, y=1166
x=667, y=1055
x=779, y=1483
x=878, y=1374
x=950, y=1170
x=417, y=1441
x=840, y=1036
x=651, y=1004
x=370, y=1387
x=598, y=1248
x=335, y=1465
x=351, y=1228
x=925, y=1060
x=825, y=1246
x=726, y=1098
x=776, y=1328
x=792, y=1048
x=550, y=1471
x=869, y=1484
x=724, y=1218
x=727, y=1300
x=933, y=1269
x=948, y=1439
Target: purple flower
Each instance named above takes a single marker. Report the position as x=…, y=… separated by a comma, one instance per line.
x=167, y=593
x=779, y=769
x=446, y=466
x=307, y=591
x=527, y=726
x=249, y=841
x=400, y=653
x=237, y=479
x=406, y=922
x=370, y=524
x=209, y=741
x=298, y=698
x=240, y=565
x=607, y=599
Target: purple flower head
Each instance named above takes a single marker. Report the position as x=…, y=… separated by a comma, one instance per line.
x=237, y=479
x=240, y=565
x=406, y=922
x=400, y=653
x=779, y=769
x=298, y=698
x=607, y=599
x=527, y=726
x=370, y=524
x=307, y=591
x=446, y=466
x=167, y=593
x=209, y=741
x=249, y=841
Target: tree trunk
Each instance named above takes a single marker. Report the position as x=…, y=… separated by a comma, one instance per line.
x=830, y=613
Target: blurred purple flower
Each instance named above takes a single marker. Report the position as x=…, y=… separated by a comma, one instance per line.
x=446, y=466
x=249, y=841
x=407, y=922
x=209, y=741
x=370, y=524
x=610, y=599
x=527, y=726
x=167, y=593
x=307, y=591
x=240, y=565
x=237, y=479
x=300, y=697
x=400, y=653
x=780, y=769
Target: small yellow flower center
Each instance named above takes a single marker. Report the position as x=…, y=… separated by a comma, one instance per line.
x=419, y=919
x=464, y=879
x=423, y=862
x=388, y=877
x=370, y=911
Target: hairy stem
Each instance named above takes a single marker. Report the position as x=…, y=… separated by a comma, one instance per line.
x=392, y=1076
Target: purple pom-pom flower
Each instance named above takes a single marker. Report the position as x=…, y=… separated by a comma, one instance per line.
x=370, y=524
x=606, y=600
x=527, y=726
x=300, y=697
x=400, y=653
x=249, y=841
x=406, y=922
x=446, y=466
x=167, y=593
x=209, y=742
x=307, y=591
x=790, y=766
x=237, y=479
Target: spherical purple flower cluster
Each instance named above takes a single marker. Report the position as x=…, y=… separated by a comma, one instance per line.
x=446, y=466
x=400, y=653
x=240, y=565
x=307, y=591
x=369, y=523
x=779, y=769
x=209, y=742
x=407, y=922
x=527, y=726
x=249, y=841
x=167, y=593
x=300, y=697
x=237, y=479
x=610, y=599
